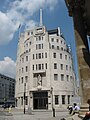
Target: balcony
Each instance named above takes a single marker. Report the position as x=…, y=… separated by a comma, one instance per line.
x=39, y=72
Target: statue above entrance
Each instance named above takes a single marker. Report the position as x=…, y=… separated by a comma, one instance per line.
x=39, y=80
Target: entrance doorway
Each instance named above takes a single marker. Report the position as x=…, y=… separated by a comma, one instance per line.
x=40, y=100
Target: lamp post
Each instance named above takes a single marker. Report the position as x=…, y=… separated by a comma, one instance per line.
x=52, y=96
x=24, y=96
x=53, y=109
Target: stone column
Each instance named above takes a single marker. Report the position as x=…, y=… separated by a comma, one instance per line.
x=83, y=55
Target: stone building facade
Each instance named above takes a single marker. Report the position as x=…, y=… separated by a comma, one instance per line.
x=45, y=76
x=7, y=89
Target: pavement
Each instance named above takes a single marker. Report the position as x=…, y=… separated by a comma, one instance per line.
x=16, y=114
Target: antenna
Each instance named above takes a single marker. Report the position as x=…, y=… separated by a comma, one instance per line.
x=19, y=30
x=59, y=32
x=41, y=24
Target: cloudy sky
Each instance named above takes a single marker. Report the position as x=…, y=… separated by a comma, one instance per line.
x=26, y=12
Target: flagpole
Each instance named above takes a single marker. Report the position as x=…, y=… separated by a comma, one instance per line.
x=19, y=28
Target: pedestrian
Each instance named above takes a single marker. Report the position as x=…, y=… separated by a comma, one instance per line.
x=87, y=116
x=70, y=108
x=88, y=101
x=76, y=109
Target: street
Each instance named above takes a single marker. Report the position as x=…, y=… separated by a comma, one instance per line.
x=16, y=114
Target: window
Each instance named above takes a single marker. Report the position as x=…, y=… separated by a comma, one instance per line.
x=57, y=47
x=36, y=46
x=26, y=100
x=55, y=65
x=26, y=78
x=60, y=56
x=65, y=57
x=42, y=37
x=29, y=50
x=61, y=48
x=56, y=100
x=22, y=70
x=26, y=68
x=52, y=39
x=57, y=40
x=36, y=66
x=19, y=80
x=42, y=46
x=70, y=68
x=42, y=66
x=33, y=56
x=63, y=99
x=67, y=77
x=68, y=99
x=26, y=44
x=36, y=56
x=39, y=46
x=39, y=55
x=39, y=66
x=33, y=67
x=39, y=37
x=21, y=100
x=30, y=43
x=22, y=79
x=54, y=55
x=28, y=33
x=61, y=66
x=36, y=38
x=42, y=55
x=65, y=50
x=71, y=78
x=62, y=77
x=45, y=55
x=26, y=51
x=26, y=58
x=52, y=46
x=46, y=65
x=66, y=67
x=55, y=76
x=49, y=45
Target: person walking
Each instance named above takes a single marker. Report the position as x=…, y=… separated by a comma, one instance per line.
x=70, y=108
x=88, y=103
x=76, y=109
x=87, y=115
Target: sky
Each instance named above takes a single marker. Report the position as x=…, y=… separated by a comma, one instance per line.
x=26, y=13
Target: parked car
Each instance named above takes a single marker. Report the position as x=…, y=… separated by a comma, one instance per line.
x=6, y=106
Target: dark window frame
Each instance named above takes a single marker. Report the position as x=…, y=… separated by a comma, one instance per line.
x=56, y=99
